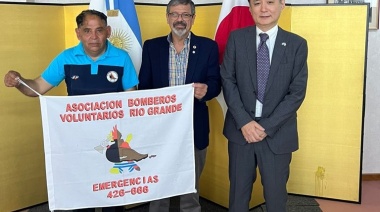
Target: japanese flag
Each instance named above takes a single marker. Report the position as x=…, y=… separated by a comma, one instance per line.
x=234, y=14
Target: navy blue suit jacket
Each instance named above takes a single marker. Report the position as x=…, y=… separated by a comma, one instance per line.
x=203, y=67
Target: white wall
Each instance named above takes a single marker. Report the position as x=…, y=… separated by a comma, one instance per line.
x=371, y=146
x=371, y=151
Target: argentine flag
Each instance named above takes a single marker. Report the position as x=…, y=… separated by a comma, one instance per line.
x=125, y=29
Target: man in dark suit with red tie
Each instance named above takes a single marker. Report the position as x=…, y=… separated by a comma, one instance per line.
x=264, y=77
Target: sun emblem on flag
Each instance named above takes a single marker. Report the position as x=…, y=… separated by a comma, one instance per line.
x=121, y=39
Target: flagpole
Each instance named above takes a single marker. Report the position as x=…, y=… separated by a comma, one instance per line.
x=26, y=85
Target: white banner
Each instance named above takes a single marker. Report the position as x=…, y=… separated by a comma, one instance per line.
x=118, y=148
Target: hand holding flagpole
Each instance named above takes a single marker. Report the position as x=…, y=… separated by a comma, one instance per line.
x=26, y=85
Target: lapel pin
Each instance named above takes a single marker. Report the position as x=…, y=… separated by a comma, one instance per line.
x=284, y=44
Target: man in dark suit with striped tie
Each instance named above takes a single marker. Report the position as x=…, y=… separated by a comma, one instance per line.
x=264, y=77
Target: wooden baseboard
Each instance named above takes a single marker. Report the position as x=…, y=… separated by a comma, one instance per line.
x=370, y=177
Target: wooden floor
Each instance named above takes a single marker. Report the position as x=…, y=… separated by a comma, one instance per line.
x=370, y=200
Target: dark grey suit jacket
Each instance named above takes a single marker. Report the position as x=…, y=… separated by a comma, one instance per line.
x=284, y=92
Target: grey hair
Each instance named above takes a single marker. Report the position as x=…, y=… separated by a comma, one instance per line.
x=181, y=2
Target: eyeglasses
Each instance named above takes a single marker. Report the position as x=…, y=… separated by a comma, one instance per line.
x=184, y=16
